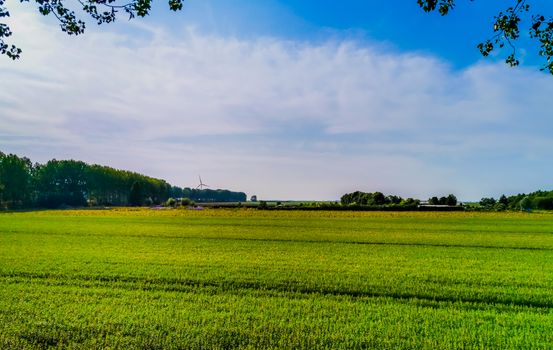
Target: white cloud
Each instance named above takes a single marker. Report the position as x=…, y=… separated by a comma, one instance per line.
x=284, y=119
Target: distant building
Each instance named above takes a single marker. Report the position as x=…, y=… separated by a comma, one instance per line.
x=254, y=198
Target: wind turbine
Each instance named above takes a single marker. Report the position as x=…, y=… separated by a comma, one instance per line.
x=201, y=185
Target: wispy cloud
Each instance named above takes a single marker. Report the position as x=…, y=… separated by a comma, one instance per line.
x=281, y=118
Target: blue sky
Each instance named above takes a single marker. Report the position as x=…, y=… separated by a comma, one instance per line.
x=397, y=24
x=286, y=99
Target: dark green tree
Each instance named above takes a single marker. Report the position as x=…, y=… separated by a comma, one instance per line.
x=451, y=200
x=544, y=203
x=392, y=199
x=15, y=181
x=499, y=207
x=378, y=198
x=136, y=197
x=176, y=192
x=61, y=183
x=434, y=201
x=208, y=195
x=488, y=202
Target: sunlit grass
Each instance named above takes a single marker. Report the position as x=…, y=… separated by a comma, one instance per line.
x=139, y=278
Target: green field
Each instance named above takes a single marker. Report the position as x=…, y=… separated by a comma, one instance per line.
x=178, y=279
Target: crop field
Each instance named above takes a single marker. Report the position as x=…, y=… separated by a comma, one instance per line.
x=244, y=278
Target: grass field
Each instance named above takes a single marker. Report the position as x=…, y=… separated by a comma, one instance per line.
x=177, y=279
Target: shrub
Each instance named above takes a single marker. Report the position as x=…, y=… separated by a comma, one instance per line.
x=488, y=203
x=171, y=202
x=499, y=207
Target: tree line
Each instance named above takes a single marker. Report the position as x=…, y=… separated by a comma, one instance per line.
x=378, y=199
x=208, y=195
x=375, y=199
x=60, y=183
x=450, y=200
x=538, y=200
x=73, y=183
